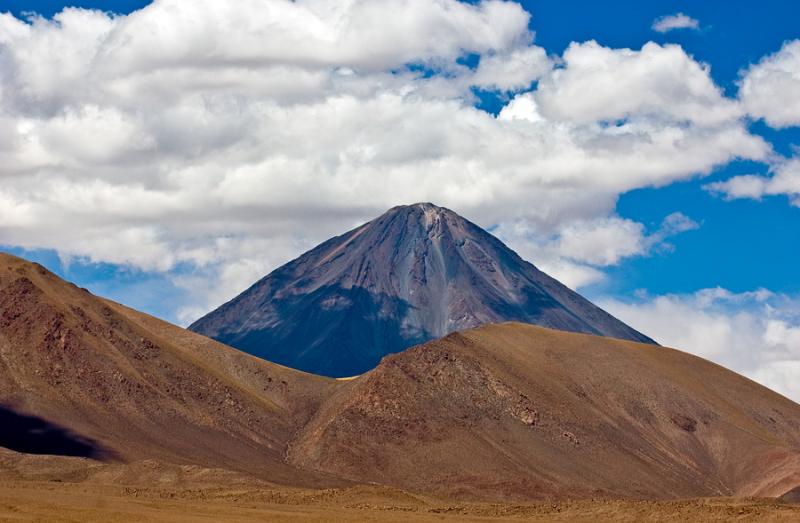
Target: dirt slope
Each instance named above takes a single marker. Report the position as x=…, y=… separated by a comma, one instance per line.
x=80, y=375
x=514, y=410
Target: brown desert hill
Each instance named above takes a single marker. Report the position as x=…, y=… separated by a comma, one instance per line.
x=508, y=411
x=80, y=375
x=519, y=411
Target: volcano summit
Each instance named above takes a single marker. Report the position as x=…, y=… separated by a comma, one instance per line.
x=415, y=273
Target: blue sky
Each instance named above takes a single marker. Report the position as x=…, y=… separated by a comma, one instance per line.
x=738, y=245
x=742, y=244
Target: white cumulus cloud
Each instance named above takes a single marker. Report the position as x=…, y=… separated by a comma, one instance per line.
x=785, y=180
x=577, y=252
x=667, y=23
x=660, y=83
x=770, y=89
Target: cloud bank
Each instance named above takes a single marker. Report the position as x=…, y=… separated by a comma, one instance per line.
x=227, y=140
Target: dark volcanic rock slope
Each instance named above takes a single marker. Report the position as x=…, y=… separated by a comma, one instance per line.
x=415, y=273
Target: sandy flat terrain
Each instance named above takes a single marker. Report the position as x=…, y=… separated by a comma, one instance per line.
x=67, y=502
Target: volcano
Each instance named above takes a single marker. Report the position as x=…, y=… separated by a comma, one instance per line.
x=416, y=273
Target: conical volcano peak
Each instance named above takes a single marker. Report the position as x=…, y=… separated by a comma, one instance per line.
x=422, y=206
x=415, y=273
x=425, y=213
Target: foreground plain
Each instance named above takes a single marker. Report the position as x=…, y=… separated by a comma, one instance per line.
x=65, y=502
x=72, y=489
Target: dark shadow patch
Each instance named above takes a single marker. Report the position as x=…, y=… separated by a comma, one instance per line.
x=34, y=435
x=793, y=496
x=336, y=331
x=684, y=422
x=332, y=331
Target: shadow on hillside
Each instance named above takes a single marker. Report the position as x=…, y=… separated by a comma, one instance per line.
x=34, y=435
x=332, y=331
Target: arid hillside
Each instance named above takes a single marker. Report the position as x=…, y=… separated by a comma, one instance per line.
x=94, y=378
x=507, y=412
x=519, y=411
